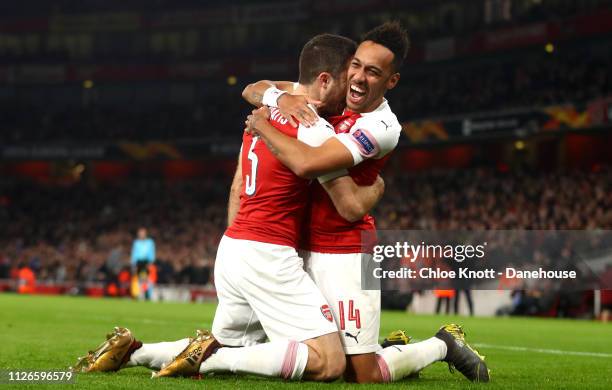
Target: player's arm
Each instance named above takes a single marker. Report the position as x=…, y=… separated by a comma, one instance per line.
x=353, y=202
x=304, y=160
x=278, y=94
x=254, y=93
x=233, y=203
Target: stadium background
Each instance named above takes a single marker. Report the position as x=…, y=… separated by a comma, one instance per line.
x=119, y=115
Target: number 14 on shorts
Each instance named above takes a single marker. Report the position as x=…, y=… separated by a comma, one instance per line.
x=351, y=314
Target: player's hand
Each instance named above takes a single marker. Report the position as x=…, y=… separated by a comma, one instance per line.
x=294, y=107
x=256, y=118
x=379, y=185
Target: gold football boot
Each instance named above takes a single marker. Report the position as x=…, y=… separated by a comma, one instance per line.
x=188, y=362
x=110, y=355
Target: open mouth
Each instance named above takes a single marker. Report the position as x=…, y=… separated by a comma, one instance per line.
x=356, y=94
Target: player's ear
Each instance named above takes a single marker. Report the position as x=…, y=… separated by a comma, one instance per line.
x=393, y=80
x=325, y=79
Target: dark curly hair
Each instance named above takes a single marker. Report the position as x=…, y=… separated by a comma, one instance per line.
x=392, y=36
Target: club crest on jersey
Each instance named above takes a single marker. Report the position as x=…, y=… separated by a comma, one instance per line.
x=366, y=143
x=326, y=311
x=346, y=125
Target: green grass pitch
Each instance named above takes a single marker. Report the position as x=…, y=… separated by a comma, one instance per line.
x=522, y=353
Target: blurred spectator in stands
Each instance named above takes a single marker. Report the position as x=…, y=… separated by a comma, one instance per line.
x=115, y=261
x=468, y=299
x=200, y=272
x=444, y=297
x=462, y=286
x=123, y=280
x=606, y=295
x=58, y=271
x=26, y=279
x=112, y=267
x=165, y=271
x=193, y=272
x=5, y=266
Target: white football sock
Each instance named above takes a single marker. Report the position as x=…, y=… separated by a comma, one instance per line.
x=284, y=359
x=155, y=355
x=399, y=361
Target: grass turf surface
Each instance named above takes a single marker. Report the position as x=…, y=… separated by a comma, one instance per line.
x=50, y=332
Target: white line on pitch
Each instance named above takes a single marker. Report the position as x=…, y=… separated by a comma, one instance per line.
x=542, y=350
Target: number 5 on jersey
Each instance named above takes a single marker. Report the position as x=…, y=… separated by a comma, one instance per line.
x=250, y=180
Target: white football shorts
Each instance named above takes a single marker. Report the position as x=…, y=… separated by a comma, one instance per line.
x=356, y=311
x=263, y=289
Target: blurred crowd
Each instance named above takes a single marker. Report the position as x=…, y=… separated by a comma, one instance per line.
x=162, y=30
x=518, y=83
x=486, y=199
x=30, y=123
x=575, y=75
x=85, y=232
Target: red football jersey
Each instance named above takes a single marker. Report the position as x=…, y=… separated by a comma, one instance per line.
x=273, y=199
x=370, y=137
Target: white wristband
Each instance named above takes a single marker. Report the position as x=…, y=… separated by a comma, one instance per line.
x=270, y=97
